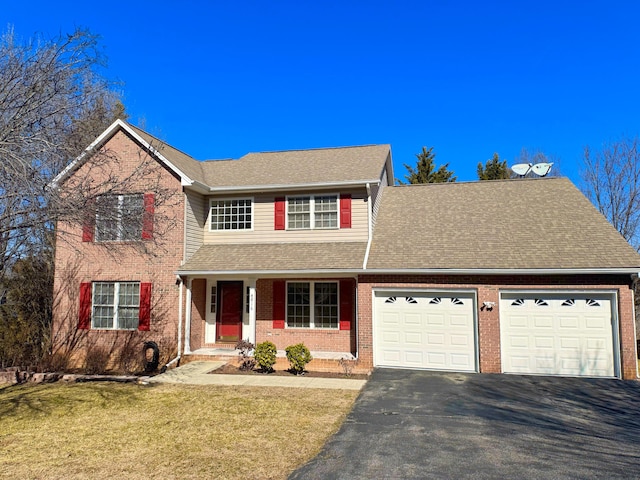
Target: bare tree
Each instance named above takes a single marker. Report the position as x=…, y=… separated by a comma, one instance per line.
x=53, y=102
x=611, y=180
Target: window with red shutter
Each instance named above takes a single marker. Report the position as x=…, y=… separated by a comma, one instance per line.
x=84, y=313
x=347, y=297
x=89, y=222
x=345, y=211
x=144, y=315
x=280, y=214
x=279, y=303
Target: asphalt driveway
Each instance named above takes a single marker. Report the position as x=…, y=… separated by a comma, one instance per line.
x=414, y=424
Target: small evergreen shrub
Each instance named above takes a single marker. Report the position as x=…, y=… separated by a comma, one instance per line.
x=246, y=362
x=298, y=356
x=265, y=355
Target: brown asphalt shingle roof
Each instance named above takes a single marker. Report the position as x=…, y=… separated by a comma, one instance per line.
x=290, y=167
x=294, y=167
x=277, y=257
x=513, y=224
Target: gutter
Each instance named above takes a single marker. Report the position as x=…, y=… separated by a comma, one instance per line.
x=420, y=271
x=370, y=233
x=293, y=186
x=177, y=359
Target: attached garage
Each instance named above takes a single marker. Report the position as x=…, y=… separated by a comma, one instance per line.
x=425, y=330
x=572, y=334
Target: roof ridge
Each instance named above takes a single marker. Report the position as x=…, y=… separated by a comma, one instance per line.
x=319, y=148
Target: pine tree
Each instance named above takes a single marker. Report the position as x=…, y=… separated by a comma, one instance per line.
x=494, y=169
x=425, y=170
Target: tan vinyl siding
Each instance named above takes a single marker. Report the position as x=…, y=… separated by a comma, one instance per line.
x=376, y=194
x=263, y=223
x=195, y=218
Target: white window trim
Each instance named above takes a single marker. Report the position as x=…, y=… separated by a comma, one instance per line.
x=312, y=213
x=253, y=214
x=116, y=300
x=312, y=305
x=118, y=217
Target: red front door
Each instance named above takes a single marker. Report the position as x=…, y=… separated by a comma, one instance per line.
x=229, y=311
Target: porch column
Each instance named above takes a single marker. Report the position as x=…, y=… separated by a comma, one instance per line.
x=252, y=310
x=187, y=321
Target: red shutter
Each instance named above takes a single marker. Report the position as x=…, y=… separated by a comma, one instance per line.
x=147, y=216
x=144, y=316
x=89, y=221
x=347, y=293
x=345, y=211
x=280, y=213
x=84, y=313
x=279, y=303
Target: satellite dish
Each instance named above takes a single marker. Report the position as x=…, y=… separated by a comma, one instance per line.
x=521, y=168
x=541, y=168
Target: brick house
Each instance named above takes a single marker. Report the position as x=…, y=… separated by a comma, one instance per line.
x=320, y=247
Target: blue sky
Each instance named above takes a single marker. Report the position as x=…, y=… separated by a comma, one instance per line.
x=221, y=79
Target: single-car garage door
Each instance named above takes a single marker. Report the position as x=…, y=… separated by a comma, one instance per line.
x=427, y=330
x=558, y=334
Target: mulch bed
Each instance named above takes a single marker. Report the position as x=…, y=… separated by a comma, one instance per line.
x=230, y=369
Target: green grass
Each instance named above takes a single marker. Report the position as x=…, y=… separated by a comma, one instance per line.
x=105, y=430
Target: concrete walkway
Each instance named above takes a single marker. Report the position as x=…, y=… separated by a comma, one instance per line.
x=197, y=373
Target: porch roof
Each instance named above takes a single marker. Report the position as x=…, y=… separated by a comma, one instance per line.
x=277, y=257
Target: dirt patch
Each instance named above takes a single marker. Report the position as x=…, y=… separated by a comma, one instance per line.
x=230, y=369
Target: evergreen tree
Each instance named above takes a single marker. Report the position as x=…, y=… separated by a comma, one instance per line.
x=425, y=170
x=494, y=169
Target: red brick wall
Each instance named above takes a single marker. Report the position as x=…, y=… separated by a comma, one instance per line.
x=488, y=288
x=152, y=261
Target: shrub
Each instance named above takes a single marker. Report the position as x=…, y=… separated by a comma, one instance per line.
x=246, y=362
x=265, y=355
x=298, y=356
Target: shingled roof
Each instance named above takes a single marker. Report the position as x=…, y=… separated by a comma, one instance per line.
x=272, y=257
x=513, y=224
x=299, y=167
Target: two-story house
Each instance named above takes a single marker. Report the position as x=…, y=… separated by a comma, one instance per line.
x=319, y=246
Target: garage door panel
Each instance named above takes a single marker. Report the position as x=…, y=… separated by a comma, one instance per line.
x=433, y=331
x=568, y=334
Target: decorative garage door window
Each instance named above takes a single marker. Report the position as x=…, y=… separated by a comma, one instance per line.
x=431, y=301
x=569, y=302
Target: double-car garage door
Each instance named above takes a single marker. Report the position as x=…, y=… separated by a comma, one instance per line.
x=550, y=333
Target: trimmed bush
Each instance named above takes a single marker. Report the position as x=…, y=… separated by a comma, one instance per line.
x=298, y=356
x=265, y=355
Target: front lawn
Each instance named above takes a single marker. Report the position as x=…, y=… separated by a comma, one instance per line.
x=108, y=430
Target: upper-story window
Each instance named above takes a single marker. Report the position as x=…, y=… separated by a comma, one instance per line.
x=119, y=217
x=312, y=212
x=231, y=214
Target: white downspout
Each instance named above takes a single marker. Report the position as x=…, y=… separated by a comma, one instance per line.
x=187, y=320
x=370, y=221
x=180, y=296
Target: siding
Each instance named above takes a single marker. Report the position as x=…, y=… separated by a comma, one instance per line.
x=376, y=195
x=264, y=231
x=195, y=219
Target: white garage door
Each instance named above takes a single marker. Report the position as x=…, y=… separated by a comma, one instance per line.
x=425, y=330
x=557, y=334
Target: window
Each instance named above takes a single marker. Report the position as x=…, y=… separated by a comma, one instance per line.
x=214, y=298
x=119, y=217
x=314, y=212
x=231, y=214
x=312, y=305
x=116, y=305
